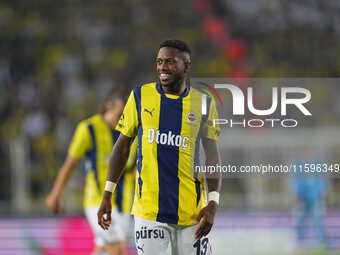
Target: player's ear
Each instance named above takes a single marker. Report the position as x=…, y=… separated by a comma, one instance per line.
x=107, y=106
x=187, y=65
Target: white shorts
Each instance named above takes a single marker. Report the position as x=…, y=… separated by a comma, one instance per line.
x=117, y=231
x=156, y=238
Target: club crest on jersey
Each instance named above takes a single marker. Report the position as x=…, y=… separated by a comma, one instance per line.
x=192, y=117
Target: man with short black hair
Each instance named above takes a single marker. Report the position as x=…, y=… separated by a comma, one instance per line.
x=170, y=196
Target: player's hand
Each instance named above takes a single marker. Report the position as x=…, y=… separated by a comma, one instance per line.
x=53, y=203
x=104, y=212
x=205, y=219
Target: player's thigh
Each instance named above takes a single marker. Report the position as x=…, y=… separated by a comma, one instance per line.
x=125, y=223
x=117, y=248
x=151, y=237
x=114, y=234
x=187, y=245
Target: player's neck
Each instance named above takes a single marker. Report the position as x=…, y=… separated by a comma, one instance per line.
x=175, y=90
x=110, y=121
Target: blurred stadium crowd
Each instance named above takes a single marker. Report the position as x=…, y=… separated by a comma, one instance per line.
x=59, y=58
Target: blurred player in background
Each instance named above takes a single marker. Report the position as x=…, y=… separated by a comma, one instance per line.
x=170, y=199
x=310, y=192
x=94, y=138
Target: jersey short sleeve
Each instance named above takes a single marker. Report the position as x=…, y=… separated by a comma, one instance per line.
x=81, y=141
x=128, y=123
x=211, y=130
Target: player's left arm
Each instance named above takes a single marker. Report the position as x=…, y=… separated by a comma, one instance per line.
x=210, y=137
x=207, y=215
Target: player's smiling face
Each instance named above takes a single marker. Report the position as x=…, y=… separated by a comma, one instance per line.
x=171, y=67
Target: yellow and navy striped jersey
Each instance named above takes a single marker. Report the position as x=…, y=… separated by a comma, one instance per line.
x=169, y=129
x=94, y=139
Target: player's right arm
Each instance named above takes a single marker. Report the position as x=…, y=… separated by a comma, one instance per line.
x=80, y=144
x=127, y=126
x=66, y=171
x=118, y=159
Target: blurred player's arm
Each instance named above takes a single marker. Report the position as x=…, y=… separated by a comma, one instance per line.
x=66, y=171
x=80, y=144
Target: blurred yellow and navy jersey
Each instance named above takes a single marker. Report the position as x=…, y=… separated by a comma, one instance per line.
x=169, y=129
x=94, y=139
